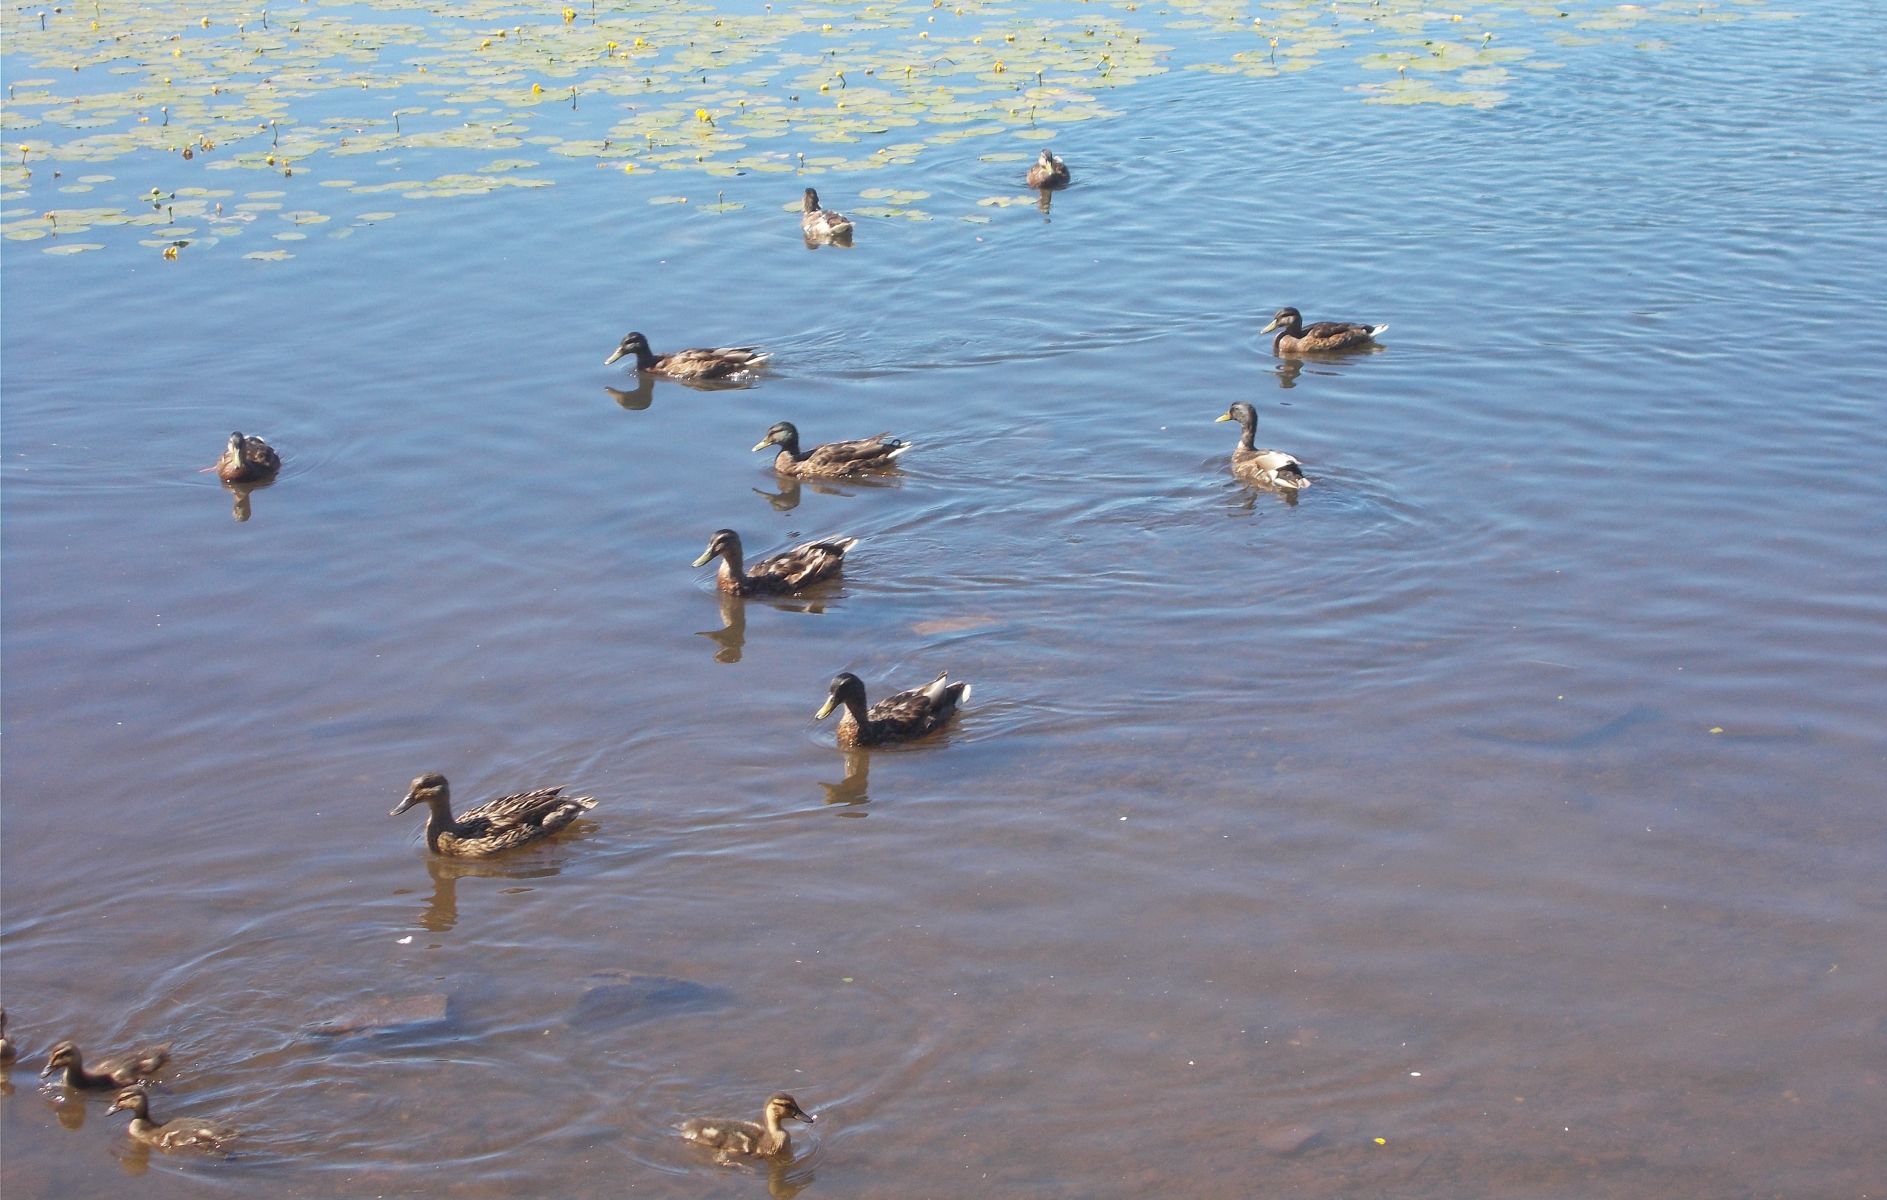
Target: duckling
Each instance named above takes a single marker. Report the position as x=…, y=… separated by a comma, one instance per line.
x=788, y=571
x=494, y=825
x=822, y=224
x=247, y=460
x=688, y=364
x=7, y=1050
x=738, y=1138
x=896, y=718
x=1297, y=338
x=878, y=452
x=111, y=1072
x=1048, y=172
x=1271, y=467
x=175, y=1134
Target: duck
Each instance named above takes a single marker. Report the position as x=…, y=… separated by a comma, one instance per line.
x=8, y=1051
x=495, y=825
x=896, y=718
x=180, y=1133
x=750, y=1139
x=1274, y=468
x=788, y=571
x=822, y=224
x=1295, y=337
x=878, y=452
x=177, y=1133
x=137, y=1067
x=247, y=460
x=688, y=364
x=1048, y=172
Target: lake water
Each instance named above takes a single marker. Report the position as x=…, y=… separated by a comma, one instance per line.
x=1500, y=817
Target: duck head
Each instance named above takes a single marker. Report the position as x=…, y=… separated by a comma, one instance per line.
x=429, y=788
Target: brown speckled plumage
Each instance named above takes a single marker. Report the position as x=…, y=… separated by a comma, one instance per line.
x=1272, y=468
x=719, y=363
x=896, y=718
x=878, y=452
x=495, y=825
x=822, y=224
x=1295, y=337
x=1048, y=172
x=247, y=460
x=785, y=572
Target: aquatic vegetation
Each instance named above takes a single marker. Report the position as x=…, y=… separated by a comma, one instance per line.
x=401, y=97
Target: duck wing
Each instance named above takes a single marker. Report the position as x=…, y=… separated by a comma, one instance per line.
x=920, y=710
x=878, y=451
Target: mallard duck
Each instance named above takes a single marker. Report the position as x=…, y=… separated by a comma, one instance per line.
x=175, y=1134
x=896, y=718
x=1272, y=467
x=7, y=1050
x=1048, y=172
x=822, y=224
x=688, y=364
x=761, y=1140
x=132, y=1068
x=1294, y=337
x=247, y=460
x=494, y=825
x=788, y=571
x=876, y=453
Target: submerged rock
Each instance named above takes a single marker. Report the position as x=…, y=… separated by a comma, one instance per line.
x=386, y=1014
x=1285, y=1140
x=617, y=997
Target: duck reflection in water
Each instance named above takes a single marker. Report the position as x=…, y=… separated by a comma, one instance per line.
x=637, y=398
x=442, y=908
x=239, y=507
x=852, y=789
x=731, y=638
x=1287, y=370
x=786, y=1178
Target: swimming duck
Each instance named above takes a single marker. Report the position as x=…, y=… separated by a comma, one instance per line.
x=174, y=1134
x=896, y=718
x=788, y=571
x=762, y=1140
x=247, y=460
x=688, y=364
x=111, y=1072
x=1271, y=467
x=822, y=224
x=1294, y=337
x=494, y=825
x=1048, y=172
x=7, y=1050
x=878, y=452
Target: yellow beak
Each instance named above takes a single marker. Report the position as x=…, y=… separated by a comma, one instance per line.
x=760, y=446
x=707, y=556
x=825, y=710
x=1215, y=420
x=1270, y=327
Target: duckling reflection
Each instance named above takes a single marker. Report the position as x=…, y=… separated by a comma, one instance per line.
x=731, y=637
x=851, y=789
x=787, y=498
x=1045, y=200
x=1287, y=370
x=786, y=1178
x=637, y=398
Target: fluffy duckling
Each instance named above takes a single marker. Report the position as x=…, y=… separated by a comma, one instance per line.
x=136, y=1067
x=177, y=1133
x=746, y=1138
x=1274, y=468
x=247, y=460
x=896, y=718
x=1295, y=337
x=688, y=364
x=1048, y=172
x=8, y=1052
x=822, y=224
x=878, y=452
x=788, y=571
x=494, y=825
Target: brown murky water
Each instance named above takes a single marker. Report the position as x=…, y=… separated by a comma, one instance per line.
x=1502, y=817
